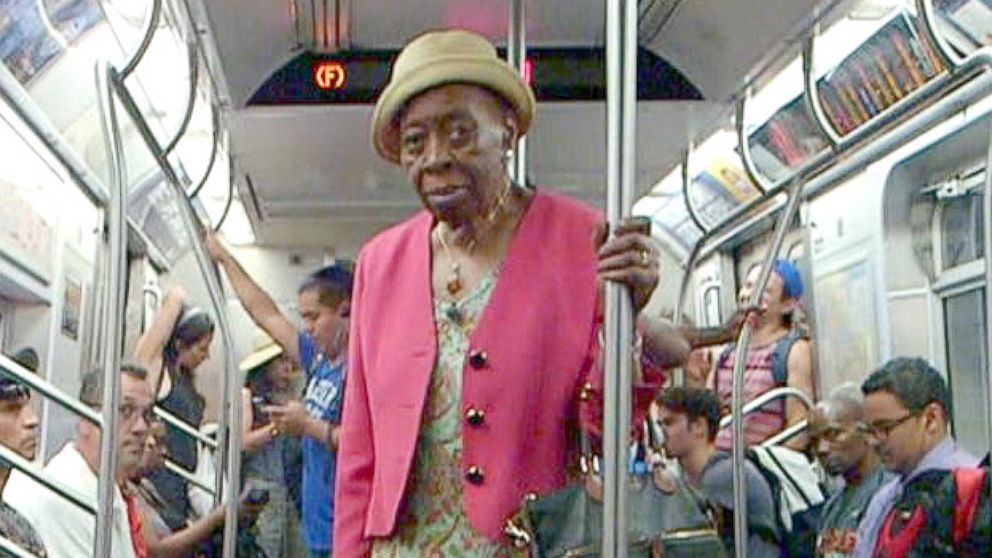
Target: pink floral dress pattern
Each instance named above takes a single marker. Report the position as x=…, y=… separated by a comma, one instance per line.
x=433, y=523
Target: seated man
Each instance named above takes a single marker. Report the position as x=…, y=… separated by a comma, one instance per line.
x=906, y=415
x=66, y=530
x=843, y=450
x=690, y=419
x=19, y=433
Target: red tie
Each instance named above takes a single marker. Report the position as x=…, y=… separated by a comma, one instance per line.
x=134, y=522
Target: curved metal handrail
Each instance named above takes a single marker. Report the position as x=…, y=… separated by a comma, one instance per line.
x=685, y=191
x=230, y=421
x=230, y=195
x=787, y=434
x=742, y=140
x=214, y=148
x=113, y=315
x=146, y=40
x=740, y=362
x=811, y=97
x=194, y=81
x=926, y=14
x=756, y=404
x=865, y=136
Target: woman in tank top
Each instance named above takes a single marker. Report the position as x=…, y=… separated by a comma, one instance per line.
x=177, y=342
x=774, y=339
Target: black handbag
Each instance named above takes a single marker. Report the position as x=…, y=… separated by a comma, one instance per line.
x=665, y=518
x=569, y=522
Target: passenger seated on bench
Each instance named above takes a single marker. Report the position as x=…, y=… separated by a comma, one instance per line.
x=906, y=419
x=19, y=433
x=779, y=356
x=161, y=541
x=844, y=451
x=66, y=529
x=690, y=418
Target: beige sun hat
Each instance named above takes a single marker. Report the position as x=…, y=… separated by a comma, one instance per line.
x=263, y=349
x=440, y=58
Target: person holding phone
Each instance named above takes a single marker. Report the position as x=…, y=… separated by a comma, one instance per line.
x=319, y=347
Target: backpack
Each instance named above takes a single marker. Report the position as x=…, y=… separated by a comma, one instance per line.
x=941, y=514
x=798, y=495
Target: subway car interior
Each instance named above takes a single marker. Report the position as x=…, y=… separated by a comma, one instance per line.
x=849, y=137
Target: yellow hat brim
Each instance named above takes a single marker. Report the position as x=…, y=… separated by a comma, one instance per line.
x=493, y=74
x=260, y=357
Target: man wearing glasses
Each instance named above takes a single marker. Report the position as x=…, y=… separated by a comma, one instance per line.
x=906, y=415
x=844, y=451
x=65, y=529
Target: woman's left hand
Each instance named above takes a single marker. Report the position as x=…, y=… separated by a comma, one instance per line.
x=290, y=418
x=629, y=258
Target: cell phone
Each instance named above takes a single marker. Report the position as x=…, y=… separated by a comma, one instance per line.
x=259, y=416
x=258, y=497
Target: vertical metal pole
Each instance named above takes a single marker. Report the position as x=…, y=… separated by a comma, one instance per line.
x=113, y=316
x=740, y=361
x=621, y=120
x=811, y=93
x=229, y=440
x=516, y=54
x=987, y=226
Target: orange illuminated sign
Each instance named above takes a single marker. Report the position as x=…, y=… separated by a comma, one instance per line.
x=329, y=75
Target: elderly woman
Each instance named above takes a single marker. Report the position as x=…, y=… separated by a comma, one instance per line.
x=475, y=323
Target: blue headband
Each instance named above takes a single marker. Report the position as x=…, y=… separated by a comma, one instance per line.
x=792, y=281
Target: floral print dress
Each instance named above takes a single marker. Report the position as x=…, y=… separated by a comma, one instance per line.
x=433, y=523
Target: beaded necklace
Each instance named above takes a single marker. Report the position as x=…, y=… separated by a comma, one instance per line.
x=454, y=284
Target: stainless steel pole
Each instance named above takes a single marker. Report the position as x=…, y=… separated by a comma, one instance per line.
x=113, y=316
x=516, y=54
x=987, y=227
x=621, y=121
x=229, y=421
x=740, y=361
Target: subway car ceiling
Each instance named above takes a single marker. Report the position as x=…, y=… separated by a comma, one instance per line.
x=308, y=176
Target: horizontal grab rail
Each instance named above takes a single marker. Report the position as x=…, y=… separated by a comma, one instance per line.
x=786, y=434
x=185, y=427
x=765, y=398
x=188, y=477
x=49, y=390
x=38, y=475
x=10, y=546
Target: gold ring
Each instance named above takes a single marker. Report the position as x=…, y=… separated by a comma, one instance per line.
x=645, y=259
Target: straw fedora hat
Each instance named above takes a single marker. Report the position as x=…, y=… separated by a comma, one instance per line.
x=440, y=58
x=263, y=350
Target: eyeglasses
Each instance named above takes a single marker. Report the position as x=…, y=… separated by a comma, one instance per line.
x=881, y=429
x=130, y=411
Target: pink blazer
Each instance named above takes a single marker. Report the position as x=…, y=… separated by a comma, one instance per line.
x=527, y=361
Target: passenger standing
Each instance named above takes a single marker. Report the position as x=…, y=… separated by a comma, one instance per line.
x=320, y=348
x=779, y=355
x=269, y=376
x=18, y=433
x=843, y=450
x=906, y=418
x=690, y=419
x=475, y=324
x=175, y=345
